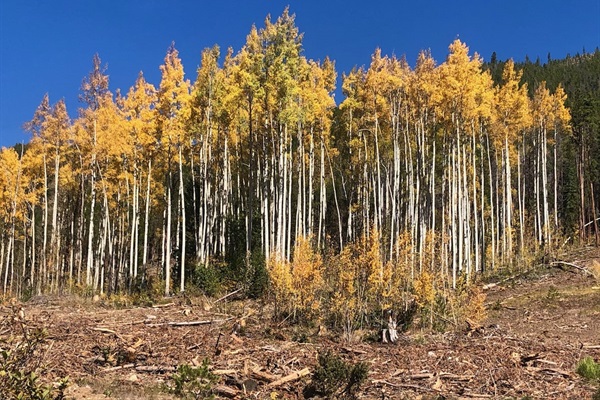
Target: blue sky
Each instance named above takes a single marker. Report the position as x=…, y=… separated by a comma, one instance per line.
x=47, y=45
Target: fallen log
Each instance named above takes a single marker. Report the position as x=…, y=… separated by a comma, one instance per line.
x=227, y=295
x=264, y=376
x=182, y=323
x=568, y=264
x=564, y=374
x=118, y=367
x=352, y=350
x=109, y=331
x=226, y=391
x=224, y=371
x=591, y=346
x=290, y=378
x=454, y=377
x=404, y=385
x=155, y=368
x=163, y=305
x=421, y=376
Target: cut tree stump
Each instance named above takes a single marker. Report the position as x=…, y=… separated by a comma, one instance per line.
x=391, y=333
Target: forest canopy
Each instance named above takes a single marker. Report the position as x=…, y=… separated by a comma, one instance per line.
x=251, y=176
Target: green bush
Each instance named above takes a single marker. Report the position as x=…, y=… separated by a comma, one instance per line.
x=193, y=382
x=589, y=369
x=207, y=279
x=259, y=278
x=336, y=378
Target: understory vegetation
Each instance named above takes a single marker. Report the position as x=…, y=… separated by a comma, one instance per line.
x=21, y=362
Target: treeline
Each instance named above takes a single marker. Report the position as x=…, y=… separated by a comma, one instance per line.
x=419, y=179
x=578, y=164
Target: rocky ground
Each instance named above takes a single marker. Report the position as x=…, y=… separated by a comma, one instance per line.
x=540, y=325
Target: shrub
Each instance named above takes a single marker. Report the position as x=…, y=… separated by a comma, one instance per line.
x=307, y=280
x=193, y=382
x=474, y=306
x=206, y=279
x=589, y=369
x=257, y=278
x=336, y=378
x=20, y=365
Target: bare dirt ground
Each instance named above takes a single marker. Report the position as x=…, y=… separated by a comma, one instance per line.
x=540, y=325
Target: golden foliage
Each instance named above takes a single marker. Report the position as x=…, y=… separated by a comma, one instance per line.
x=296, y=285
x=424, y=289
x=280, y=276
x=474, y=306
x=306, y=275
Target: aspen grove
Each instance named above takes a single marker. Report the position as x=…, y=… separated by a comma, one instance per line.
x=251, y=177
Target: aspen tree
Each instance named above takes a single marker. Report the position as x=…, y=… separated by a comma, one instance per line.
x=562, y=119
x=138, y=109
x=36, y=127
x=56, y=133
x=11, y=194
x=94, y=94
x=466, y=97
x=206, y=96
x=172, y=113
x=543, y=118
x=511, y=117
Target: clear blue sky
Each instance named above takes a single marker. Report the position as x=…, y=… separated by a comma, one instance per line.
x=47, y=45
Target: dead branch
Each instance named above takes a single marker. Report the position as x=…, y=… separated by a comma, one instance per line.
x=193, y=347
x=227, y=295
x=118, y=367
x=155, y=368
x=454, y=377
x=564, y=374
x=352, y=350
x=404, y=385
x=224, y=371
x=105, y=330
x=109, y=331
x=290, y=378
x=163, y=305
x=226, y=391
x=421, y=376
x=182, y=323
x=494, y=284
x=477, y=395
x=591, y=346
x=568, y=264
x=264, y=376
x=591, y=222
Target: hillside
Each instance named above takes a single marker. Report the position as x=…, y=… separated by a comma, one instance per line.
x=540, y=325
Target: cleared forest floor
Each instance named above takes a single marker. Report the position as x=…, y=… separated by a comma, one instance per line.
x=539, y=326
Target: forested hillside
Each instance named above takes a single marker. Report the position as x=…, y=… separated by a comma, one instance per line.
x=577, y=161
x=246, y=174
